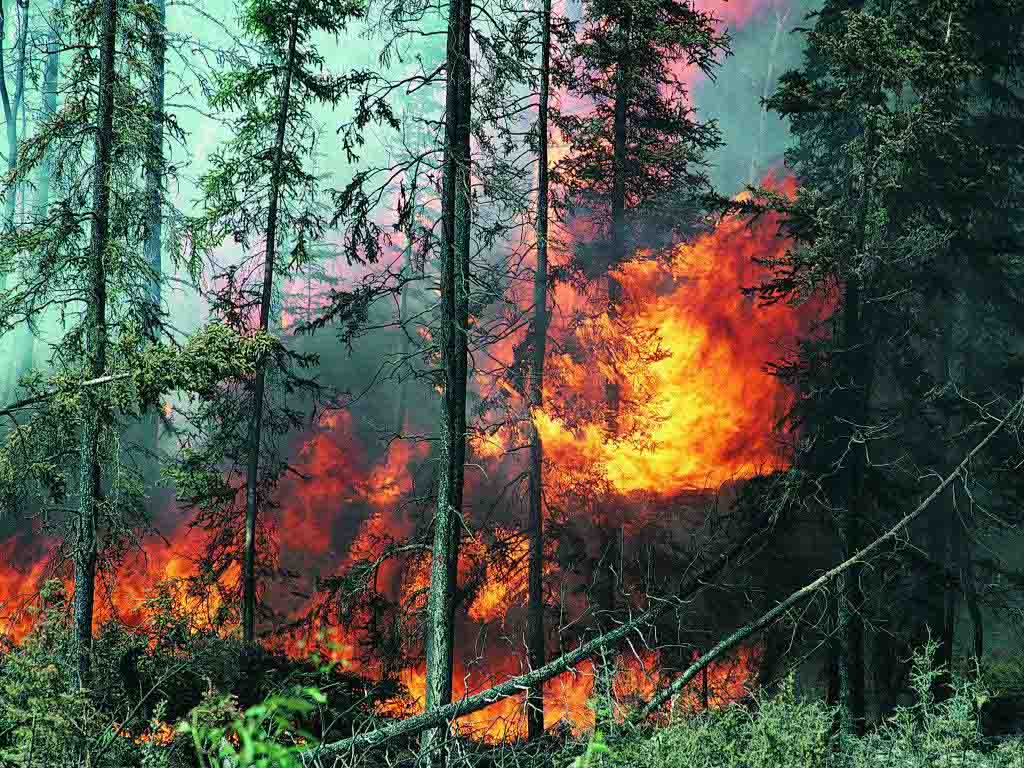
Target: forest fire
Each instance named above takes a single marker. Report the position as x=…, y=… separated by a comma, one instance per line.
x=687, y=350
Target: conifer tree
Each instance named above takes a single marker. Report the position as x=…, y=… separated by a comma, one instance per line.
x=260, y=186
x=885, y=91
x=64, y=458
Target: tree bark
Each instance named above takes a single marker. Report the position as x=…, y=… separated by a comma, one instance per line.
x=259, y=387
x=848, y=590
x=154, y=174
x=11, y=108
x=857, y=374
x=90, y=477
x=154, y=170
x=453, y=339
x=620, y=149
x=535, y=576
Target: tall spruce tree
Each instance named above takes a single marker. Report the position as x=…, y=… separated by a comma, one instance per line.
x=259, y=187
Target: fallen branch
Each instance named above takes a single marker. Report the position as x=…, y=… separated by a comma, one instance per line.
x=518, y=685
x=28, y=402
x=799, y=595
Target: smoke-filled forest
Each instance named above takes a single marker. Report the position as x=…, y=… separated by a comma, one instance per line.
x=512, y=383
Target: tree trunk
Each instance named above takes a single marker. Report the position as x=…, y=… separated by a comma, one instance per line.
x=857, y=378
x=11, y=107
x=618, y=202
x=453, y=338
x=404, y=345
x=89, y=482
x=259, y=387
x=535, y=576
x=154, y=173
x=605, y=578
x=848, y=590
x=25, y=340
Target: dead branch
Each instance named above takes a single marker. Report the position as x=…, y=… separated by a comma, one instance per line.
x=28, y=402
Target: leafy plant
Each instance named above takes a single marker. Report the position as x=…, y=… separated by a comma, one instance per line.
x=266, y=735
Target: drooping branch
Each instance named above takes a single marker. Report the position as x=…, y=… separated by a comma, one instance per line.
x=767, y=619
x=28, y=402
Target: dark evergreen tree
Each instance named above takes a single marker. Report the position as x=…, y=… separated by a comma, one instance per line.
x=890, y=165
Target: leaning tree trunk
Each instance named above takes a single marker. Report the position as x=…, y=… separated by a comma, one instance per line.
x=535, y=525
x=453, y=338
x=89, y=483
x=259, y=387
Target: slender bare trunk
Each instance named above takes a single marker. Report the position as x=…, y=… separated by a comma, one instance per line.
x=259, y=386
x=848, y=591
x=618, y=201
x=404, y=345
x=12, y=106
x=51, y=72
x=10, y=110
x=766, y=91
x=90, y=479
x=856, y=370
x=154, y=175
x=154, y=170
x=453, y=337
x=535, y=525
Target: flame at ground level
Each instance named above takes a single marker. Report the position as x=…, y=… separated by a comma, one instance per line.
x=569, y=699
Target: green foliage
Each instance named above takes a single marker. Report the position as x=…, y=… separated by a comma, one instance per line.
x=266, y=735
x=779, y=731
x=33, y=456
x=782, y=730
x=595, y=747
x=46, y=719
x=930, y=733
